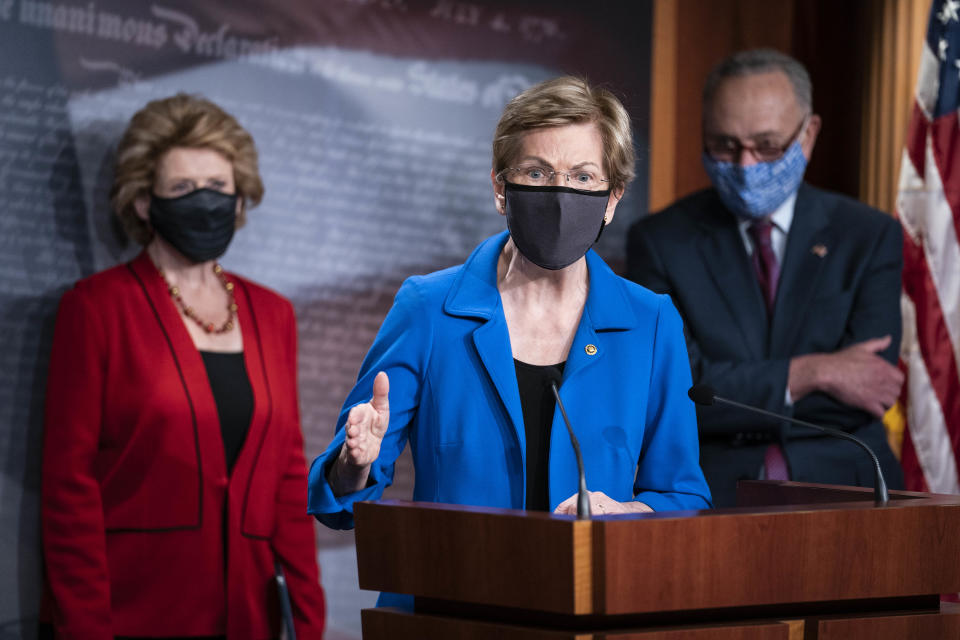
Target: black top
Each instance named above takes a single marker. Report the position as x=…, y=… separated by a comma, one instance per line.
x=537, y=401
x=233, y=395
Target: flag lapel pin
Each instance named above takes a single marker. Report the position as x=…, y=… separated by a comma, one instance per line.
x=819, y=250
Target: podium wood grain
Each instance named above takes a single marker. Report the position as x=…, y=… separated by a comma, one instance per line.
x=527, y=560
x=816, y=558
x=655, y=563
x=910, y=627
x=831, y=552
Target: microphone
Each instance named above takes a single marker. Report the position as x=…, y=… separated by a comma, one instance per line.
x=704, y=395
x=583, y=497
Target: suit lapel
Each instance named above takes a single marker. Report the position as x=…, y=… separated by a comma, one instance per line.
x=256, y=364
x=492, y=341
x=801, y=270
x=189, y=363
x=474, y=294
x=725, y=259
x=606, y=309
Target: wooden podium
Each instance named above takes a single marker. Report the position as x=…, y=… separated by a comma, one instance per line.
x=796, y=561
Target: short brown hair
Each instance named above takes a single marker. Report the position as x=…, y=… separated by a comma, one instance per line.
x=179, y=121
x=562, y=101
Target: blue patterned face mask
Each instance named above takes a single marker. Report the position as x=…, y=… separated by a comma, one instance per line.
x=756, y=191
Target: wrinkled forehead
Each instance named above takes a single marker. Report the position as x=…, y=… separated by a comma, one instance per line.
x=563, y=146
x=751, y=105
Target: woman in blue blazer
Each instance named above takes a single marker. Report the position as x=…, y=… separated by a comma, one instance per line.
x=462, y=364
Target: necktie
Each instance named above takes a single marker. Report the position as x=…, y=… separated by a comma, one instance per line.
x=767, y=268
x=764, y=261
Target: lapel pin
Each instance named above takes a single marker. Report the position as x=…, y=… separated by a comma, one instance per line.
x=819, y=250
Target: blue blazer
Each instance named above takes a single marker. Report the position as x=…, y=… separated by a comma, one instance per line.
x=454, y=397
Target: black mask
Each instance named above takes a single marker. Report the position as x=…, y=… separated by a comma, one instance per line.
x=554, y=226
x=199, y=224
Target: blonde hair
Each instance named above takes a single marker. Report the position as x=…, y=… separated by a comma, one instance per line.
x=179, y=121
x=562, y=101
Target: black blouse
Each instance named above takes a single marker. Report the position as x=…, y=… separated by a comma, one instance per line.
x=233, y=396
x=538, y=403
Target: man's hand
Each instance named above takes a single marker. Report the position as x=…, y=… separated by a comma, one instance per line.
x=856, y=376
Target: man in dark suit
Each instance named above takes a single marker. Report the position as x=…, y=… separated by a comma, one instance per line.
x=789, y=294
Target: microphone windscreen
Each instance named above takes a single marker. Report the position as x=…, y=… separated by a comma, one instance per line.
x=702, y=394
x=552, y=376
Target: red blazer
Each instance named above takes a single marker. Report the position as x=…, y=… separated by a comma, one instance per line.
x=135, y=491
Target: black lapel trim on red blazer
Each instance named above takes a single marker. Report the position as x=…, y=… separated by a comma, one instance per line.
x=193, y=417
x=268, y=419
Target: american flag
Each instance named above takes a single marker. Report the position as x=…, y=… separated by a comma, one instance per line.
x=928, y=207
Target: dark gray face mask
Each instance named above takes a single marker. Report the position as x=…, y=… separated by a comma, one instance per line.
x=199, y=224
x=554, y=226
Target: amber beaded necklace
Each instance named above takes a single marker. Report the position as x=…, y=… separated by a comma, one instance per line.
x=188, y=311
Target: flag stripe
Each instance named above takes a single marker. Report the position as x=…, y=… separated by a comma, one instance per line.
x=912, y=472
x=913, y=479
x=932, y=443
x=917, y=141
x=946, y=147
x=941, y=252
x=939, y=366
x=928, y=207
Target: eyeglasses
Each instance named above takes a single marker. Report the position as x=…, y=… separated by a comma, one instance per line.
x=731, y=149
x=537, y=176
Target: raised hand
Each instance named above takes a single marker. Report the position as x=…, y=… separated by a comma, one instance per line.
x=364, y=431
x=366, y=425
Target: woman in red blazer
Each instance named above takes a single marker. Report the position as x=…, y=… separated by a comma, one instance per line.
x=173, y=469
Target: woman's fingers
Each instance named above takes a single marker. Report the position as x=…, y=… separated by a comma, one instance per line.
x=362, y=441
x=367, y=424
x=600, y=504
x=568, y=506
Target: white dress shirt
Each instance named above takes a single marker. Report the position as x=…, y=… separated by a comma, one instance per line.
x=781, y=219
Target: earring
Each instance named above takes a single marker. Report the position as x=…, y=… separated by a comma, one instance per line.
x=606, y=219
